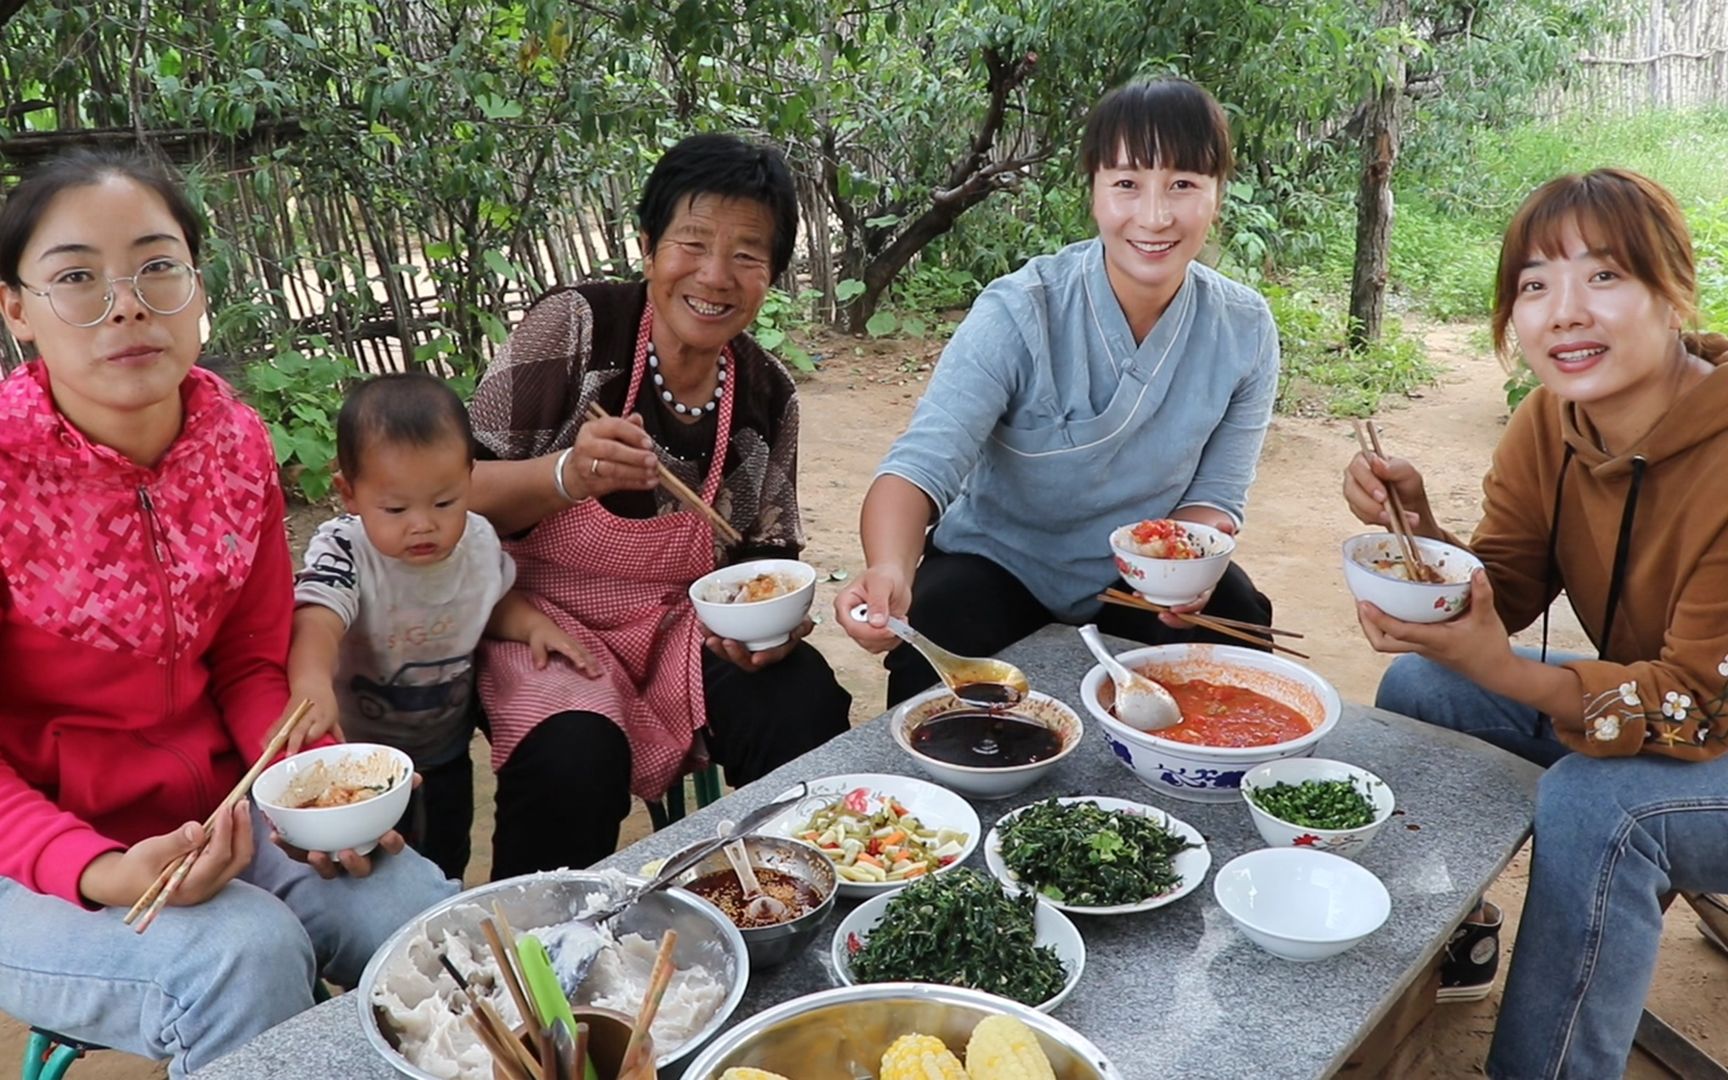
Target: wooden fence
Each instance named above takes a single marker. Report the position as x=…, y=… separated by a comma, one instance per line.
x=1672, y=54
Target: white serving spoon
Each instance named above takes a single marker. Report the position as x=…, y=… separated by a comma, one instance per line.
x=1141, y=703
x=758, y=905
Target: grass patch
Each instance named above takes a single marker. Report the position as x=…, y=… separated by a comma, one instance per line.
x=1321, y=376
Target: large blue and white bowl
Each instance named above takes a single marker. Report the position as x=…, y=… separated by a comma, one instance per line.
x=1209, y=773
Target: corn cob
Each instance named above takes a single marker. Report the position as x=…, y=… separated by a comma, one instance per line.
x=921, y=1057
x=741, y=1073
x=1003, y=1048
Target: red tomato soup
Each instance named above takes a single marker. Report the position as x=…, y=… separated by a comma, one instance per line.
x=1214, y=714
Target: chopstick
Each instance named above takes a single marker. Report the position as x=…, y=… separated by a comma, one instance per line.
x=1370, y=444
x=1259, y=636
x=682, y=490
x=507, y=967
x=1238, y=624
x=506, y=1049
x=156, y=897
x=657, y=983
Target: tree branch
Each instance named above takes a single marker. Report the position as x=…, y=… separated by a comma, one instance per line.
x=1636, y=61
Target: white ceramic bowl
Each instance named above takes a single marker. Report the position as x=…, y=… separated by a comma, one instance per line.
x=1173, y=581
x=1191, y=865
x=935, y=806
x=762, y=624
x=1411, y=601
x=975, y=781
x=1051, y=927
x=1209, y=773
x=1279, y=833
x=1300, y=904
x=334, y=828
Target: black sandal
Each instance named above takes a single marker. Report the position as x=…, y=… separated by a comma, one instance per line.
x=1472, y=958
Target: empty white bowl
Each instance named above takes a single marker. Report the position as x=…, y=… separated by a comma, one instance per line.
x=762, y=624
x=1209, y=773
x=1173, y=581
x=1300, y=904
x=1050, y=926
x=1411, y=601
x=1280, y=833
x=976, y=781
x=334, y=828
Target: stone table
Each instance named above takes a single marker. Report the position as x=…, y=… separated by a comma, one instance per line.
x=1176, y=991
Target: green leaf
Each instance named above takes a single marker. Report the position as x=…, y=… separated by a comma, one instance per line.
x=848, y=289
x=881, y=324
x=494, y=327
x=440, y=250
x=498, y=264
x=770, y=338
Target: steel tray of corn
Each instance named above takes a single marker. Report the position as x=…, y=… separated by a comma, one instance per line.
x=962, y=929
x=1079, y=854
x=1316, y=804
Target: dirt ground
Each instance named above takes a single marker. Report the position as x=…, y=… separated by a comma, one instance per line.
x=861, y=398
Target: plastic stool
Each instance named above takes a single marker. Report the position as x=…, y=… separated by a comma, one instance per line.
x=670, y=807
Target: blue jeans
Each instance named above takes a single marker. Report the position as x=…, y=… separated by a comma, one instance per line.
x=1612, y=836
x=205, y=979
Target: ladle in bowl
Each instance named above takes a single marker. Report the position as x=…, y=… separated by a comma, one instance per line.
x=1141, y=703
x=758, y=905
x=982, y=681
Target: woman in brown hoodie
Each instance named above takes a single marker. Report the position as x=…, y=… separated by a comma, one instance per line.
x=1611, y=483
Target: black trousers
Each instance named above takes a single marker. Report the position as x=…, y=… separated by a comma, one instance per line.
x=970, y=605
x=566, y=789
x=440, y=814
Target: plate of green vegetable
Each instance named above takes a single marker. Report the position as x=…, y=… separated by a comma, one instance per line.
x=1094, y=855
x=962, y=929
x=1317, y=803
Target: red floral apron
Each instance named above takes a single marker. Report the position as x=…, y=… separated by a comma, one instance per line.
x=620, y=586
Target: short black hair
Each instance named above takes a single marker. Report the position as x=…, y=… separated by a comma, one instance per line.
x=731, y=168
x=409, y=407
x=82, y=167
x=1170, y=122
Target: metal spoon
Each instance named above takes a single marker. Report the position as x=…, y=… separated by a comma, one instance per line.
x=759, y=906
x=1141, y=703
x=983, y=681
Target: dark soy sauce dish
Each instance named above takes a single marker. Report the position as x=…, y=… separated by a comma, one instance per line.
x=985, y=739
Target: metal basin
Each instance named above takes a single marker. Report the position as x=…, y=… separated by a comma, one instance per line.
x=705, y=937
x=842, y=1034
x=770, y=945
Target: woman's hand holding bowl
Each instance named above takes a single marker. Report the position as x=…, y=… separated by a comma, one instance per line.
x=756, y=661
x=1474, y=644
x=1365, y=482
x=885, y=591
x=612, y=454
x=333, y=865
x=119, y=878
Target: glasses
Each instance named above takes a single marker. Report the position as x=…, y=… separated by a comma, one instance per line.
x=82, y=299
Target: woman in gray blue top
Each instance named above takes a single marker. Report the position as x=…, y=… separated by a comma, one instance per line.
x=1114, y=381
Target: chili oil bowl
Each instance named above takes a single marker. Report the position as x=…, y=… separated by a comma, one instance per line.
x=806, y=864
x=1194, y=772
x=985, y=781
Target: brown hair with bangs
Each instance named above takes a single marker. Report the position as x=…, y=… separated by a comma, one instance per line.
x=1630, y=218
x=1167, y=122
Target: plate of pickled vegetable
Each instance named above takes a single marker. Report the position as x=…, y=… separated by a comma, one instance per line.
x=882, y=831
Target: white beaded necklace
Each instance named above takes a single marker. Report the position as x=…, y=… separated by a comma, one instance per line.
x=678, y=406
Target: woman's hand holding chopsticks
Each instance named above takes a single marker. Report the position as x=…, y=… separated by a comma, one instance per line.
x=120, y=878
x=611, y=454
x=1370, y=480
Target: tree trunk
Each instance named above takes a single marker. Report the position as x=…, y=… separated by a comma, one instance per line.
x=1380, y=133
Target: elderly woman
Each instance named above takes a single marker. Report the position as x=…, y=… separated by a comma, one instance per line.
x=1113, y=381
x=609, y=554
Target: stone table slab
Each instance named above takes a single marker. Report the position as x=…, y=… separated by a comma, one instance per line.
x=1176, y=991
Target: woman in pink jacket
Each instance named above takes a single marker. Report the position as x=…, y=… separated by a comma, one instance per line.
x=145, y=606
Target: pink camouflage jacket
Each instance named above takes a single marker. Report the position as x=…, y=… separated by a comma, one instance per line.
x=144, y=626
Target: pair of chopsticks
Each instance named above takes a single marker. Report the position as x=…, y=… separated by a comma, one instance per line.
x=161, y=890
x=658, y=980
x=1368, y=438
x=545, y=1059
x=1253, y=633
x=682, y=490
x=506, y=1049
